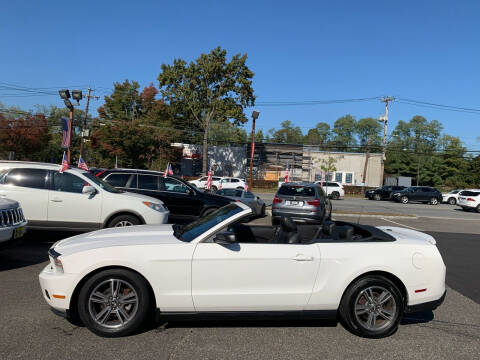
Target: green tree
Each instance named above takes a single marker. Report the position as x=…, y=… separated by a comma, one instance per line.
x=319, y=135
x=344, y=133
x=287, y=134
x=124, y=104
x=208, y=89
x=369, y=128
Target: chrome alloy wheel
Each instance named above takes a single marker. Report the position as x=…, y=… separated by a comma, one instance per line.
x=375, y=308
x=113, y=303
x=123, y=223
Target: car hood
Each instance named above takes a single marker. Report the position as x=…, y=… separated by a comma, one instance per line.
x=120, y=236
x=7, y=203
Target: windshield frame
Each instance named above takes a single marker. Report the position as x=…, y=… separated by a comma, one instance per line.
x=100, y=183
x=244, y=211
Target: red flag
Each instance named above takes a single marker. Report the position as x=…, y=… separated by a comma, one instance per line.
x=82, y=164
x=209, y=180
x=245, y=187
x=64, y=163
x=168, y=170
x=287, y=175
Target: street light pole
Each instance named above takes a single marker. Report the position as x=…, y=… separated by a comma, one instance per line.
x=384, y=119
x=252, y=149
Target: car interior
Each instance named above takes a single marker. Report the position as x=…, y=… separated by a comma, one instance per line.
x=288, y=232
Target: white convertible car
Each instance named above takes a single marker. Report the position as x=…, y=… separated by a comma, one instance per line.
x=114, y=280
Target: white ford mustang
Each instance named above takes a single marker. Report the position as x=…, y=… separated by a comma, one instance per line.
x=114, y=280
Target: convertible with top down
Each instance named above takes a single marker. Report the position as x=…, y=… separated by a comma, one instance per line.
x=114, y=280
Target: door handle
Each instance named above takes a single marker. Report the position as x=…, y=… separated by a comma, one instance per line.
x=302, y=257
x=56, y=200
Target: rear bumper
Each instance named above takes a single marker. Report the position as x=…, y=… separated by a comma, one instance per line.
x=427, y=306
x=298, y=217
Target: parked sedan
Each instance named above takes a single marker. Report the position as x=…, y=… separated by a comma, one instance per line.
x=422, y=194
x=246, y=197
x=114, y=280
x=185, y=202
x=384, y=192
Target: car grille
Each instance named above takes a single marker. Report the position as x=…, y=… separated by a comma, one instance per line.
x=10, y=217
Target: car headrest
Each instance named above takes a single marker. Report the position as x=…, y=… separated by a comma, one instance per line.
x=327, y=227
x=345, y=233
x=288, y=224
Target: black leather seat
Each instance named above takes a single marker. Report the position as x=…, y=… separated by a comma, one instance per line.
x=287, y=232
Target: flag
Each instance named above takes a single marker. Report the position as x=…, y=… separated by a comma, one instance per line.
x=287, y=175
x=168, y=170
x=66, y=132
x=245, y=187
x=64, y=163
x=209, y=180
x=82, y=164
x=220, y=185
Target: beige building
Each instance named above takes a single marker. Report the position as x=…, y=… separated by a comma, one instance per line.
x=349, y=167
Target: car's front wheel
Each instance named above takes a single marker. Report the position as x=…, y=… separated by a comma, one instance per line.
x=335, y=195
x=377, y=197
x=114, y=302
x=372, y=307
x=124, y=220
x=452, y=201
x=404, y=199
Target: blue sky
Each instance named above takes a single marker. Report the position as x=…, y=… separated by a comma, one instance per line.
x=303, y=50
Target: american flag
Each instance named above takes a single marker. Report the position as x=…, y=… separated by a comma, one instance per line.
x=287, y=175
x=64, y=163
x=82, y=164
x=245, y=187
x=168, y=170
x=66, y=132
x=209, y=180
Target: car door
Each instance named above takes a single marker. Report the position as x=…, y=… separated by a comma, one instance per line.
x=122, y=181
x=28, y=186
x=253, y=276
x=426, y=193
x=182, y=203
x=68, y=207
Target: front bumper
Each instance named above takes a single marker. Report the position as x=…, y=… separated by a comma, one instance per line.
x=6, y=233
x=153, y=217
x=56, y=288
x=427, y=306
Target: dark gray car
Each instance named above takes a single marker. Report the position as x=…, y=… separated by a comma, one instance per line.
x=303, y=203
x=246, y=197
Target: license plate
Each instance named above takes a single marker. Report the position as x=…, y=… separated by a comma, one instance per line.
x=18, y=232
x=296, y=203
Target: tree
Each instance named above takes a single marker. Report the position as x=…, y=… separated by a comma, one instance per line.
x=222, y=133
x=208, y=89
x=319, y=135
x=124, y=104
x=369, y=128
x=287, y=134
x=344, y=130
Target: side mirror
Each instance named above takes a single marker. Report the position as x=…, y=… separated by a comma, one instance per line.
x=225, y=238
x=88, y=189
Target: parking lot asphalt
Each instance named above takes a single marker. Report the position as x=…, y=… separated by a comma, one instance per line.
x=28, y=329
x=444, y=211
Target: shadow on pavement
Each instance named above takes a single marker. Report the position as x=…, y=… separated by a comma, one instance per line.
x=417, y=318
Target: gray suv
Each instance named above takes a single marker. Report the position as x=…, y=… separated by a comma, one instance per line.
x=303, y=203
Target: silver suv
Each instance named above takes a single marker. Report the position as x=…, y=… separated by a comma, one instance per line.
x=303, y=203
x=12, y=221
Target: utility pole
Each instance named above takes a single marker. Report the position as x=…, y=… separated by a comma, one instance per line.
x=367, y=155
x=384, y=119
x=252, y=149
x=84, y=126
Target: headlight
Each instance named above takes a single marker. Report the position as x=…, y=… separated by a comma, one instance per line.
x=156, y=207
x=55, y=258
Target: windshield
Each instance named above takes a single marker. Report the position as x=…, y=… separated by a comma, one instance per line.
x=296, y=190
x=198, y=227
x=101, y=183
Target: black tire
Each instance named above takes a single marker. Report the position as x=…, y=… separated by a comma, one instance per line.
x=354, y=295
x=138, y=311
x=477, y=209
x=214, y=188
x=433, y=201
x=452, y=201
x=208, y=211
x=404, y=199
x=335, y=195
x=240, y=188
x=262, y=211
x=377, y=197
x=124, y=220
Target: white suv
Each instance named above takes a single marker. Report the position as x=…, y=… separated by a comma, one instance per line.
x=75, y=199
x=232, y=183
x=334, y=190
x=12, y=222
x=202, y=182
x=469, y=200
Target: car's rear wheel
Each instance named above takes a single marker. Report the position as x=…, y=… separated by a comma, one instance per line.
x=214, y=188
x=114, y=302
x=372, y=307
x=335, y=195
x=478, y=208
x=404, y=199
x=262, y=211
x=452, y=201
x=377, y=197
x=433, y=201
x=124, y=220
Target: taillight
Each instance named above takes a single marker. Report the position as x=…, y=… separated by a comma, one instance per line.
x=315, y=202
x=470, y=199
x=277, y=200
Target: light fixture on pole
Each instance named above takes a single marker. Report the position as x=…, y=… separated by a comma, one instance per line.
x=77, y=95
x=255, y=115
x=65, y=95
